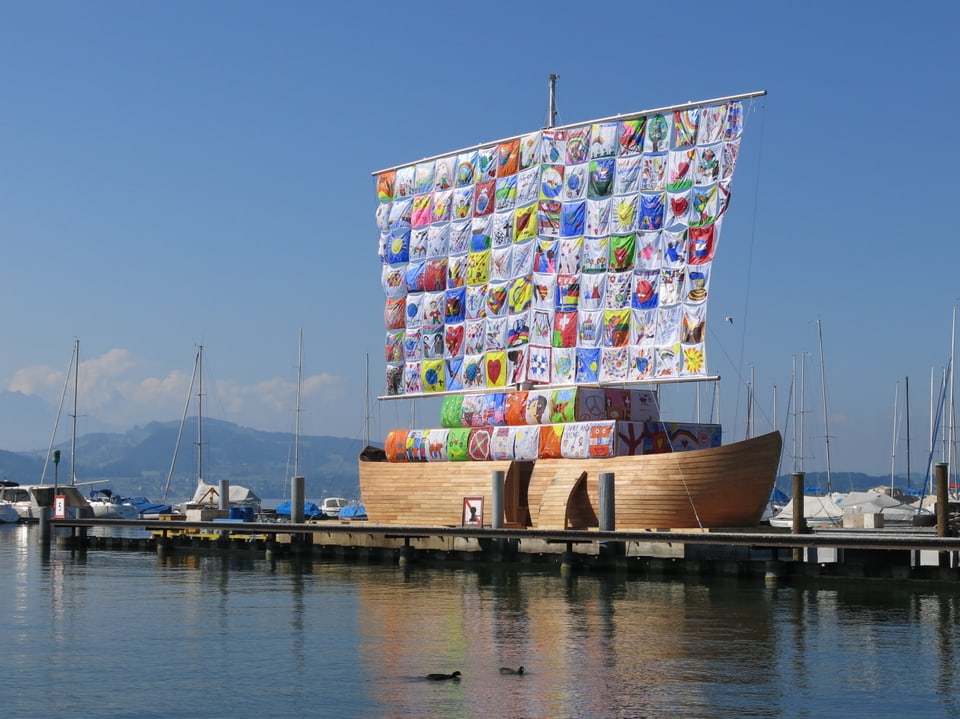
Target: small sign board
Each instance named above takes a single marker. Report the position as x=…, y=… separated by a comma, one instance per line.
x=473, y=511
x=60, y=507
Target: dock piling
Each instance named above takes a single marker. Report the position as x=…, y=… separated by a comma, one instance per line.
x=45, y=527
x=608, y=512
x=497, y=520
x=799, y=521
x=943, y=505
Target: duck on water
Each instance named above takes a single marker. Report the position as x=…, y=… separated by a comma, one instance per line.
x=440, y=677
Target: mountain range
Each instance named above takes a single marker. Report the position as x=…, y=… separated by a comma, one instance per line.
x=138, y=462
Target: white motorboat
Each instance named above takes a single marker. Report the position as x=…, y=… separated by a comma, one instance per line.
x=107, y=505
x=8, y=513
x=29, y=499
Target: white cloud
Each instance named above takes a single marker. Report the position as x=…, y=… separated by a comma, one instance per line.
x=112, y=393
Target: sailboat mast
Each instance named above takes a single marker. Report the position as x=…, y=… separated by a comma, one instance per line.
x=200, y=414
x=803, y=402
x=73, y=441
x=951, y=438
x=823, y=391
x=906, y=399
x=793, y=403
x=296, y=444
x=893, y=453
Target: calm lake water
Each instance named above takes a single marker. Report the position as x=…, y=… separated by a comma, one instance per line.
x=127, y=634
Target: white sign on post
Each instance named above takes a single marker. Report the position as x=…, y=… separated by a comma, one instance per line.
x=60, y=507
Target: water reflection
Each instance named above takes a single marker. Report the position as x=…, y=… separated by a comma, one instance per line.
x=591, y=646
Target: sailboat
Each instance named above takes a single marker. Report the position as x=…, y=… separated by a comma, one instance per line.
x=29, y=500
x=103, y=501
x=207, y=496
x=310, y=509
x=545, y=287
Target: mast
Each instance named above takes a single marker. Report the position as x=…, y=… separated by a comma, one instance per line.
x=906, y=399
x=823, y=391
x=199, y=414
x=933, y=437
x=552, y=112
x=951, y=439
x=803, y=404
x=366, y=402
x=296, y=444
x=793, y=401
x=893, y=454
x=73, y=441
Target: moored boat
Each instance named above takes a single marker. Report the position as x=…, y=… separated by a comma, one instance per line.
x=534, y=283
x=8, y=513
x=29, y=499
x=726, y=486
x=108, y=505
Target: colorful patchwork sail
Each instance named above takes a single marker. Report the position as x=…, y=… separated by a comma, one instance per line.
x=546, y=286
x=571, y=255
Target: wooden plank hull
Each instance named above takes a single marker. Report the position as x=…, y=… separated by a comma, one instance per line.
x=726, y=486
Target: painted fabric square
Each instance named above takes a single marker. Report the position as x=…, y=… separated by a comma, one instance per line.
x=551, y=436
x=479, y=443
x=458, y=441
x=436, y=444
x=575, y=442
x=396, y=445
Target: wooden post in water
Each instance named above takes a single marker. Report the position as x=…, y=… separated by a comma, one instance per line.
x=799, y=521
x=45, y=527
x=608, y=519
x=940, y=472
x=497, y=520
x=608, y=512
x=296, y=499
x=943, y=499
x=223, y=503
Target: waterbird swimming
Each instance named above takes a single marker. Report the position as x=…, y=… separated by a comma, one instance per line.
x=508, y=670
x=441, y=677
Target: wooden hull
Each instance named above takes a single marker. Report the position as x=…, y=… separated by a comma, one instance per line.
x=726, y=486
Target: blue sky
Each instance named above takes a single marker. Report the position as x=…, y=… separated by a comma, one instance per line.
x=186, y=173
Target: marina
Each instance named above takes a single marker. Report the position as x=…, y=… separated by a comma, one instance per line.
x=916, y=554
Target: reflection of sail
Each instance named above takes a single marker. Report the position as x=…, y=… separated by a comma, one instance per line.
x=578, y=639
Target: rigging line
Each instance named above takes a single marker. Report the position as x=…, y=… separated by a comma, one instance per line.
x=936, y=428
x=183, y=419
x=786, y=421
x=752, y=243
x=53, y=436
x=683, y=479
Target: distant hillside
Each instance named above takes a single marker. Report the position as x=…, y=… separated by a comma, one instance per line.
x=847, y=482
x=137, y=462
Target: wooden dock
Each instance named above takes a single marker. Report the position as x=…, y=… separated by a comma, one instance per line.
x=902, y=554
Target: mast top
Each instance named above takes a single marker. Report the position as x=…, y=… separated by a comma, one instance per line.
x=552, y=114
